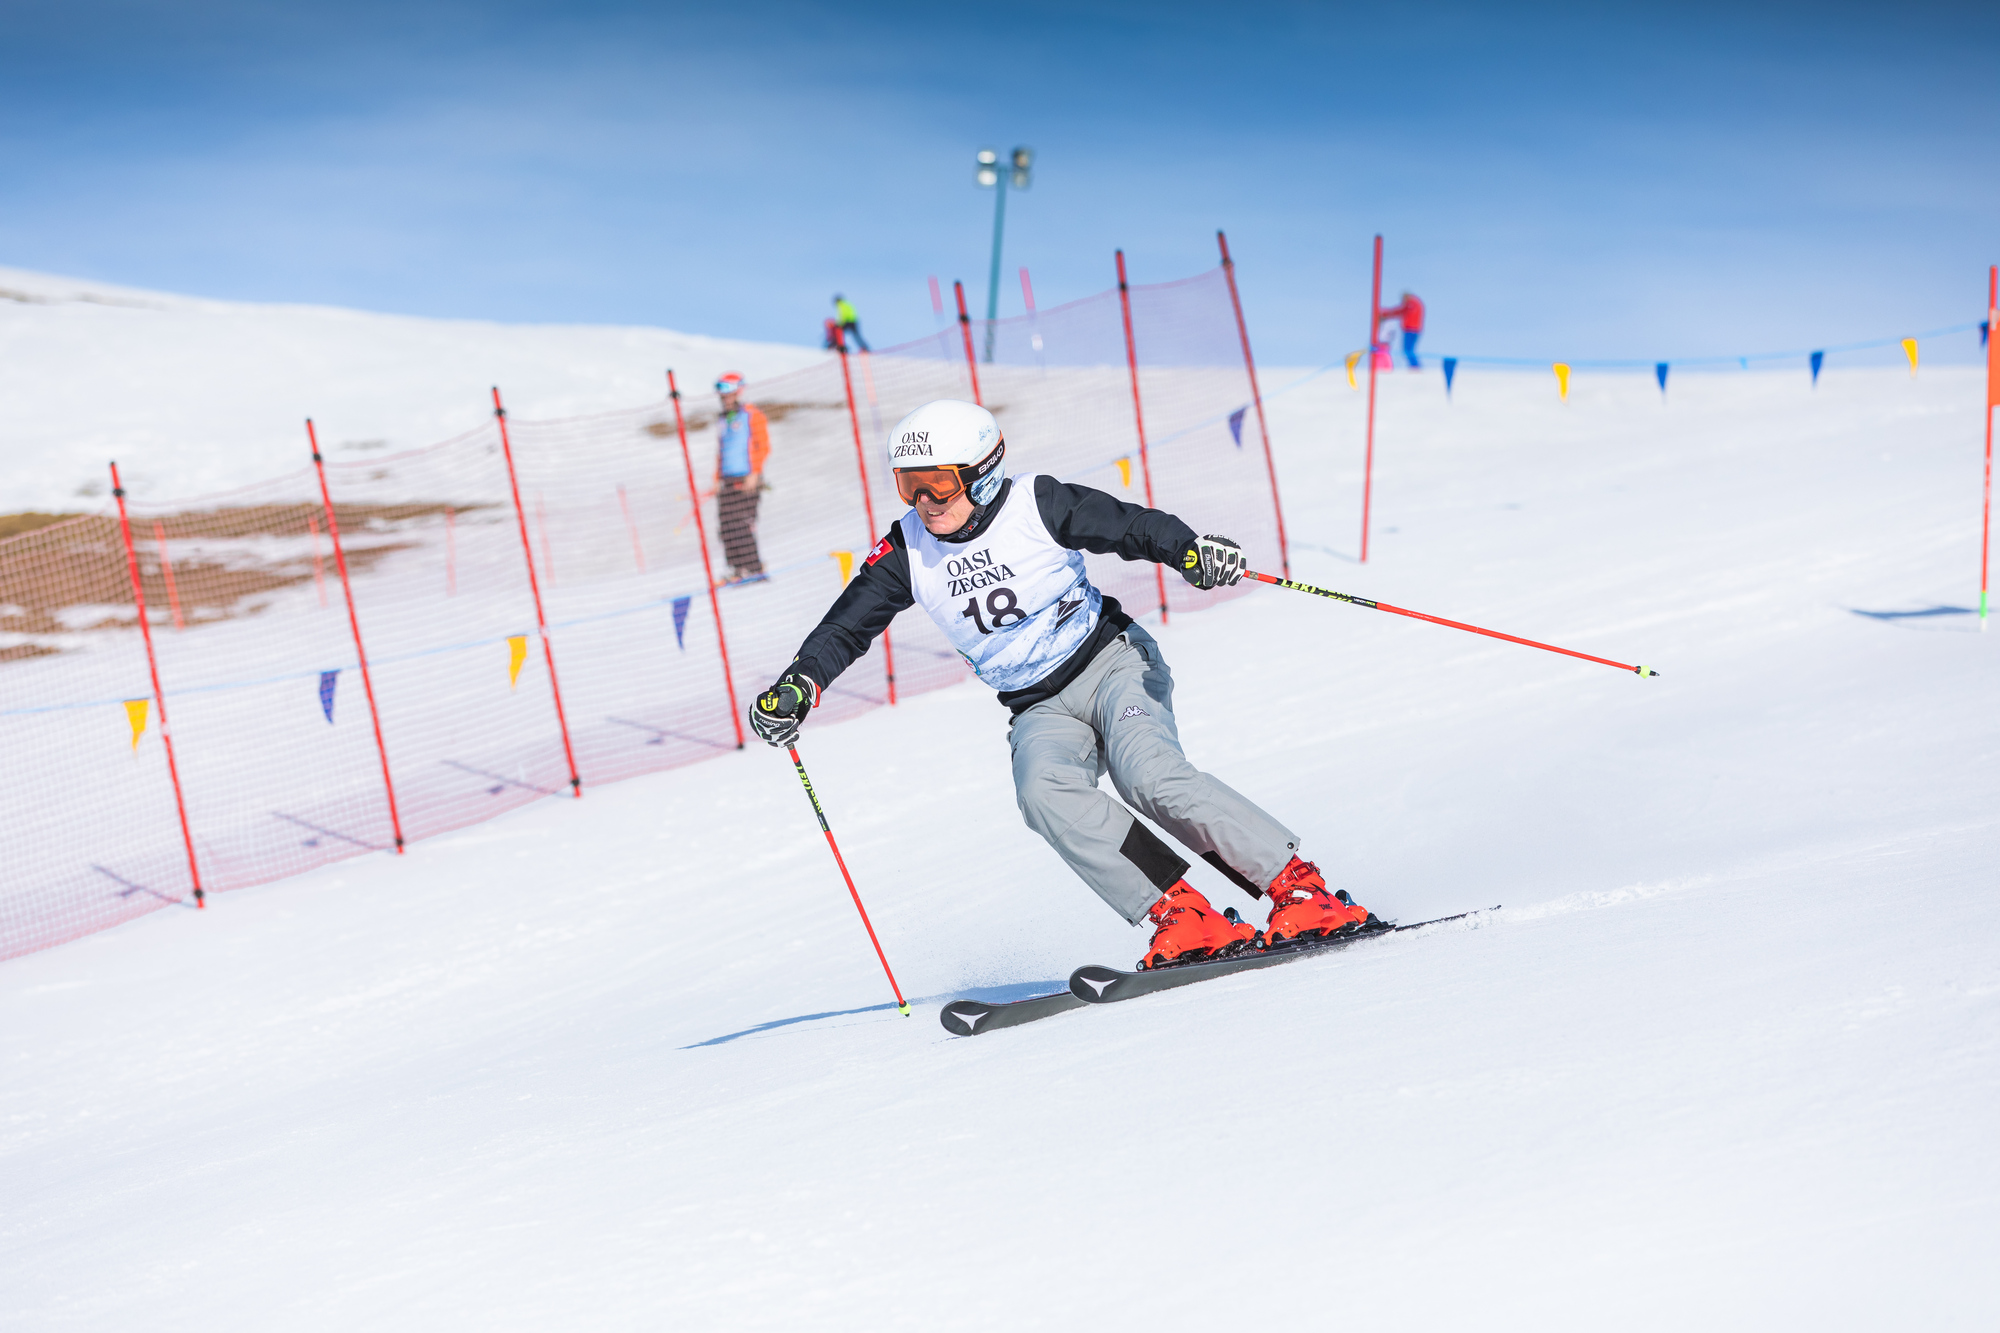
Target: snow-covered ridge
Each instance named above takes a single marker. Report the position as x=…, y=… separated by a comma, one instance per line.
x=192, y=395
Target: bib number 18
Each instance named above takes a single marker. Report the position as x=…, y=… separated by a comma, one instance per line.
x=1001, y=605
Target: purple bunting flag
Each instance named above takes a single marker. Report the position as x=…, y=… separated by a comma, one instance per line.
x=1450, y=369
x=680, y=622
x=326, y=684
x=1236, y=425
x=1817, y=358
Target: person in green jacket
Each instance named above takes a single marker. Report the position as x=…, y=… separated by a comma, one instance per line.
x=850, y=323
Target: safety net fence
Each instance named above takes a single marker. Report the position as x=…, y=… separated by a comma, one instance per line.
x=278, y=761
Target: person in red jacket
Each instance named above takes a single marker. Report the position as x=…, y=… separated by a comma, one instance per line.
x=1410, y=315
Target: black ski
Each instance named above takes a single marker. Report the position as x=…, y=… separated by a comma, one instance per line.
x=969, y=1018
x=1107, y=985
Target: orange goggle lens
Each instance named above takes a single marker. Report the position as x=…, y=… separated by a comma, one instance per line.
x=942, y=484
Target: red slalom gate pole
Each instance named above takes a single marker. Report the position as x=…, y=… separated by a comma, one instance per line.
x=1368, y=467
x=1992, y=400
x=354, y=624
x=159, y=697
x=707, y=569
x=1256, y=397
x=1139, y=417
x=902, y=1005
x=535, y=588
x=965, y=327
x=868, y=501
x=1352, y=600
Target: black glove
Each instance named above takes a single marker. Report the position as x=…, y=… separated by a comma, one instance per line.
x=777, y=712
x=1213, y=562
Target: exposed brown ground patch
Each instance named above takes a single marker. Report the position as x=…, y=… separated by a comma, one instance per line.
x=77, y=562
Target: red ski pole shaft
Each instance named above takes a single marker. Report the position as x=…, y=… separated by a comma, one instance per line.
x=902, y=1005
x=1440, y=620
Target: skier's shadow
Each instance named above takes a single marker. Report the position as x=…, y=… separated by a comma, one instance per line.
x=1022, y=990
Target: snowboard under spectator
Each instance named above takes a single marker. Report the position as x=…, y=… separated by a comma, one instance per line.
x=745, y=438
x=850, y=322
x=1410, y=315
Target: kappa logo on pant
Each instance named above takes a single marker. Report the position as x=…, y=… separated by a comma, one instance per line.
x=1133, y=711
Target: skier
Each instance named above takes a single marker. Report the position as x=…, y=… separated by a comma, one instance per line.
x=996, y=561
x=850, y=322
x=1410, y=315
x=745, y=437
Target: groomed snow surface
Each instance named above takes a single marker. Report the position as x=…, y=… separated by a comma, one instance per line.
x=1729, y=1057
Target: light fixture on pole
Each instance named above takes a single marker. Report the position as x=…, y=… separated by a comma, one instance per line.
x=991, y=174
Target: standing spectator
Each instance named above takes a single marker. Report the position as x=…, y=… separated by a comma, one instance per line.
x=1410, y=314
x=850, y=323
x=745, y=437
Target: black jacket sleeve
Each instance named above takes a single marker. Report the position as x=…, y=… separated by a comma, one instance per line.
x=1083, y=519
x=873, y=597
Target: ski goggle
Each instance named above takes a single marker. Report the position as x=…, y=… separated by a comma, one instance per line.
x=946, y=482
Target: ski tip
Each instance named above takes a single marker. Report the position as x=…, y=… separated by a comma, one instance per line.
x=962, y=1018
x=1645, y=671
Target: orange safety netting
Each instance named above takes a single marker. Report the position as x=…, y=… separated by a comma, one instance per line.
x=271, y=725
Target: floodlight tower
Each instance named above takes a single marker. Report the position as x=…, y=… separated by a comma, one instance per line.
x=988, y=173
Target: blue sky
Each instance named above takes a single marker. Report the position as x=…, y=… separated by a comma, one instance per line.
x=1554, y=180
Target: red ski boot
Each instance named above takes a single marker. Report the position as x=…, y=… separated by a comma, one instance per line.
x=1301, y=908
x=1189, y=928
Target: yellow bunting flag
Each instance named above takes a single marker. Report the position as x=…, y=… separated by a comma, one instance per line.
x=135, y=713
x=1562, y=380
x=846, y=559
x=1910, y=350
x=1353, y=360
x=517, y=653
x=1125, y=473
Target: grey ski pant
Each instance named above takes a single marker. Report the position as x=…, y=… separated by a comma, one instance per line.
x=1118, y=718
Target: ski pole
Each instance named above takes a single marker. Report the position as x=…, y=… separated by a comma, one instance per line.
x=902, y=1005
x=1440, y=620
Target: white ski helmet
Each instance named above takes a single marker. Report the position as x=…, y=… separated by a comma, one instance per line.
x=946, y=447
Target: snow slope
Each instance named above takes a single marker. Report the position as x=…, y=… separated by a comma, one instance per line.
x=193, y=395
x=1728, y=1057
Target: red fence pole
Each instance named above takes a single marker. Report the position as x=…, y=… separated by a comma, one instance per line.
x=1250, y=364
x=1992, y=398
x=159, y=698
x=535, y=588
x=861, y=464
x=707, y=569
x=354, y=624
x=1368, y=467
x=1139, y=417
x=965, y=326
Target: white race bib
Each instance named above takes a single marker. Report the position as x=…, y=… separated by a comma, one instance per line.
x=1012, y=601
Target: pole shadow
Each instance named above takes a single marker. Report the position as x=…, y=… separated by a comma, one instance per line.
x=130, y=888
x=503, y=781
x=1922, y=618
x=660, y=734
x=335, y=834
x=1325, y=550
